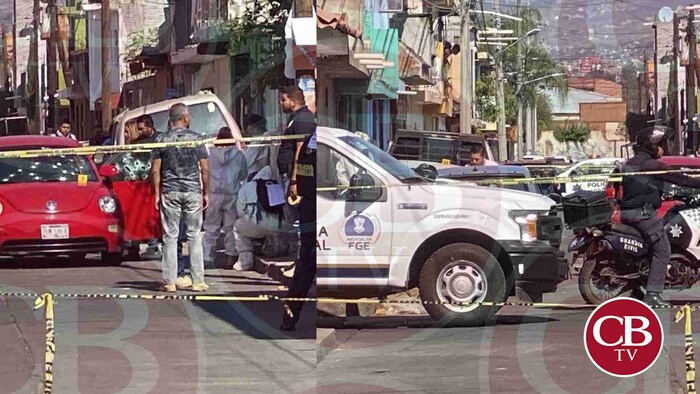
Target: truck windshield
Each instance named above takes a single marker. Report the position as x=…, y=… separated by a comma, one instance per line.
x=206, y=118
x=383, y=159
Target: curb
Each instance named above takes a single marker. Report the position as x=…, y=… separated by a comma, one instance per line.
x=279, y=269
x=325, y=342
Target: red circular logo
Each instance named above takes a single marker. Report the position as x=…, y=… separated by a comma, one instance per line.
x=623, y=337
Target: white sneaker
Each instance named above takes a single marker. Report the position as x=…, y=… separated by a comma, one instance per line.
x=183, y=282
x=239, y=267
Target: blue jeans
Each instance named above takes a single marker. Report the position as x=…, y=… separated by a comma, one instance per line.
x=183, y=262
x=176, y=207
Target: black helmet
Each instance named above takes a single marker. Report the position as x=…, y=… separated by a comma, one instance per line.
x=650, y=138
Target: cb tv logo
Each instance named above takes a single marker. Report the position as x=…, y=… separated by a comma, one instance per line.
x=623, y=337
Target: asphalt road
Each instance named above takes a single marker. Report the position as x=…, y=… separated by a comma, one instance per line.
x=139, y=346
x=528, y=351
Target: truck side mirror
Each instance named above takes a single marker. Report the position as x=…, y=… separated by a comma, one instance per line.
x=426, y=171
x=363, y=188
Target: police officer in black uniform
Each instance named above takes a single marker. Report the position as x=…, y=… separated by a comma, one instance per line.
x=641, y=199
x=303, y=185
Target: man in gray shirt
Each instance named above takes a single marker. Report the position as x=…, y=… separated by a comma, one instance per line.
x=181, y=182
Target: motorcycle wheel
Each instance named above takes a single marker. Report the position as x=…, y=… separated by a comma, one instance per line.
x=596, y=286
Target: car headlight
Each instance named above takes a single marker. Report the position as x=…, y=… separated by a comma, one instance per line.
x=1, y=208
x=527, y=221
x=107, y=204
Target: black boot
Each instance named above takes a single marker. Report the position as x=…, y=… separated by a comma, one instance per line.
x=654, y=300
x=289, y=321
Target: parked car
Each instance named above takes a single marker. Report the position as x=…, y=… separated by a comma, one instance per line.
x=56, y=205
x=476, y=174
x=588, y=167
x=437, y=147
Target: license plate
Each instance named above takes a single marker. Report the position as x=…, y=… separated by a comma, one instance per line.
x=54, y=231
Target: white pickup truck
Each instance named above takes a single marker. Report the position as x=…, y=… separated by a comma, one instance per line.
x=456, y=243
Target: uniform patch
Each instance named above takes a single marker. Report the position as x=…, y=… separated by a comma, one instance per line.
x=305, y=170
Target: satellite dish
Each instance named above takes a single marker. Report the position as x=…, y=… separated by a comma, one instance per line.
x=666, y=14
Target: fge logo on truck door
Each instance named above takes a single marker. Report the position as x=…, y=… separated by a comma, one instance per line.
x=623, y=337
x=360, y=231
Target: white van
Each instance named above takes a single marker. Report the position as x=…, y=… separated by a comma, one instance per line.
x=457, y=244
x=208, y=112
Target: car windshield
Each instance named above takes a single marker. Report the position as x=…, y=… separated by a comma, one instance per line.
x=381, y=158
x=45, y=169
x=207, y=119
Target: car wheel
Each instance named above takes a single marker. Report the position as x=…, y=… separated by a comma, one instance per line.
x=462, y=273
x=112, y=259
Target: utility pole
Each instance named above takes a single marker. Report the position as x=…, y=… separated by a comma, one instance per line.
x=14, y=48
x=520, y=131
x=647, y=104
x=465, y=97
x=656, y=68
x=530, y=130
x=639, y=93
x=690, y=101
x=106, y=105
x=51, y=69
x=500, y=98
x=33, y=87
x=674, y=83
x=3, y=65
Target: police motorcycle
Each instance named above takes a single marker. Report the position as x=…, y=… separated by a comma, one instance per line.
x=612, y=259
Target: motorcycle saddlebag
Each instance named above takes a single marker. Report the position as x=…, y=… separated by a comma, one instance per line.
x=623, y=243
x=586, y=209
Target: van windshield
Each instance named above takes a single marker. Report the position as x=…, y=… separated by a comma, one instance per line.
x=207, y=119
x=383, y=159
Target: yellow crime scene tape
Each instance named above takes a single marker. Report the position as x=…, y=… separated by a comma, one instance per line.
x=46, y=301
x=612, y=178
x=111, y=149
x=685, y=312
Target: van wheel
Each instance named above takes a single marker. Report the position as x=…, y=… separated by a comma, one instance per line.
x=462, y=273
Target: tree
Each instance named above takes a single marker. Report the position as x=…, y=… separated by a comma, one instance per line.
x=572, y=132
x=260, y=25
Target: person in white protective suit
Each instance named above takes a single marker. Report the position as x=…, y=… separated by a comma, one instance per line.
x=344, y=168
x=256, y=223
x=257, y=157
x=228, y=172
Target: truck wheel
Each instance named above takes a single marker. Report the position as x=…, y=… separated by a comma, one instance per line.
x=462, y=273
x=112, y=259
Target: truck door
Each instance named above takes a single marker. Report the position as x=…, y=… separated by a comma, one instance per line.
x=134, y=191
x=354, y=228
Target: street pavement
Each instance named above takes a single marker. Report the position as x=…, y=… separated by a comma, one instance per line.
x=150, y=346
x=528, y=350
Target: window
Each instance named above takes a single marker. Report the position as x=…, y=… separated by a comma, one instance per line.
x=133, y=166
x=391, y=6
x=45, y=169
x=337, y=173
x=207, y=119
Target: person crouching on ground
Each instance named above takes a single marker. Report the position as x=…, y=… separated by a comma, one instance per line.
x=257, y=220
x=228, y=171
x=180, y=193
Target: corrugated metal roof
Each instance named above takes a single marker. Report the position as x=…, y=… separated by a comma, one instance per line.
x=575, y=97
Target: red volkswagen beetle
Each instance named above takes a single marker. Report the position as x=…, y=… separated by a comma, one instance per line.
x=56, y=205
